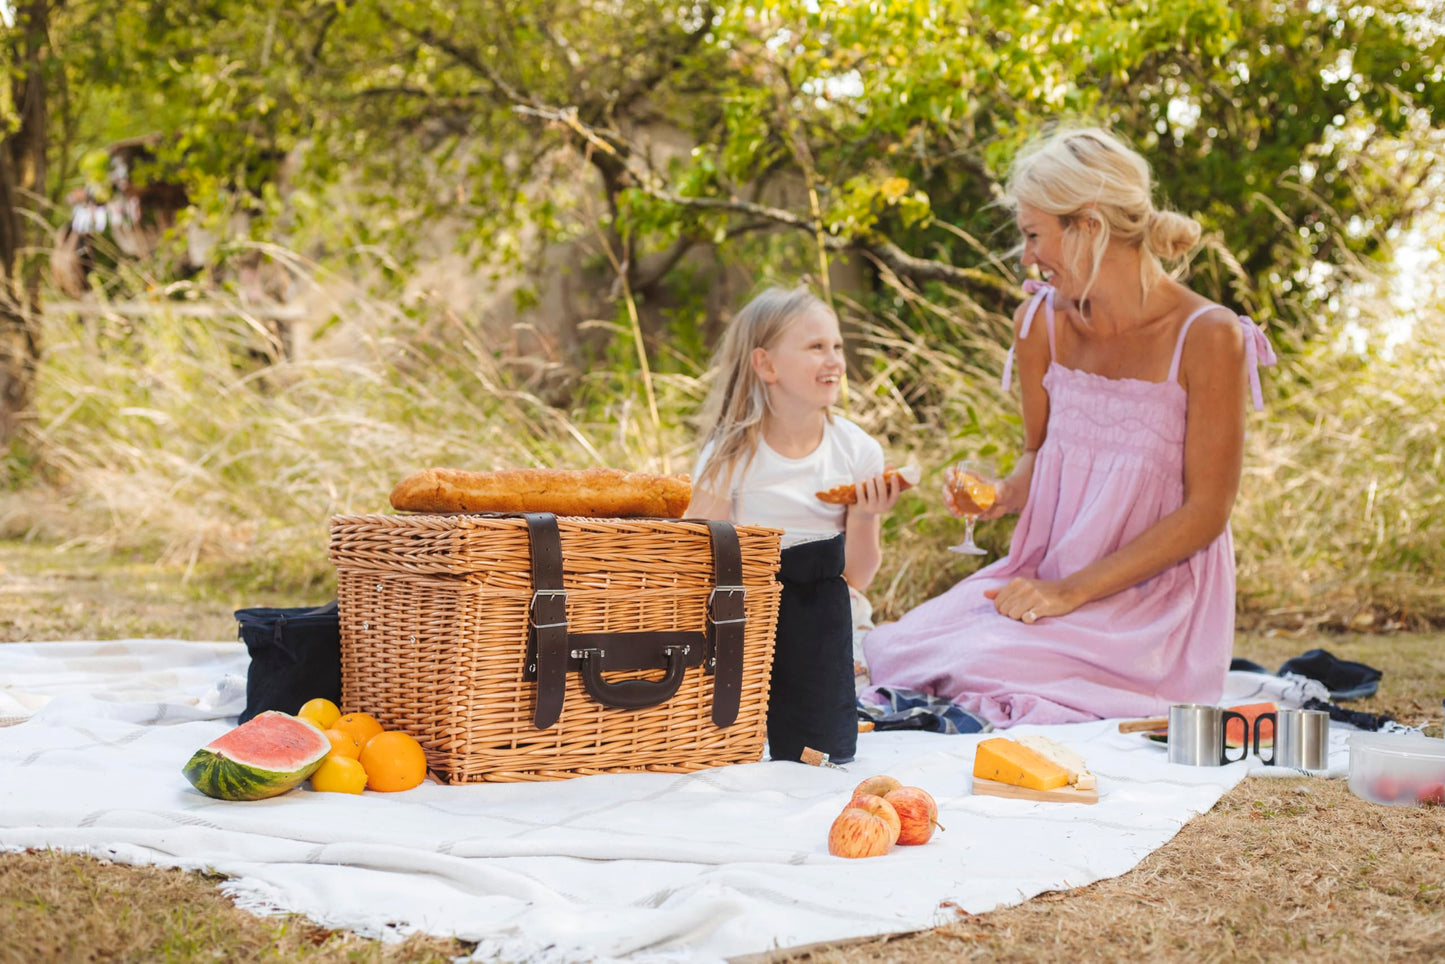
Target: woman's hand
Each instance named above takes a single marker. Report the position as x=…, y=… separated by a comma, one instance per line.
x=1029, y=600
x=877, y=495
x=1010, y=494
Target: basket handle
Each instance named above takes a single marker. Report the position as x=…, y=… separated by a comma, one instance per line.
x=633, y=694
x=552, y=652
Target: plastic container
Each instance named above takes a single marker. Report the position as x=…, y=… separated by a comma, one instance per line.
x=1399, y=769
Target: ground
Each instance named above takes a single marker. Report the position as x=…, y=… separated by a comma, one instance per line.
x=1278, y=870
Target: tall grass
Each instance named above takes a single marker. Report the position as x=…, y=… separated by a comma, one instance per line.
x=168, y=435
x=190, y=441
x=1341, y=518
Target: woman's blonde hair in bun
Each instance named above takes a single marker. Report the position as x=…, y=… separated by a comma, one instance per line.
x=1090, y=174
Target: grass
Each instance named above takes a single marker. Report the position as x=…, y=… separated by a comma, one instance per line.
x=1279, y=870
x=59, y=907
x=193, y=443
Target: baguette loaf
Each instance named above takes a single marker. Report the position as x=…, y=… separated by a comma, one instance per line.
x=598, y=492
x=847, y=494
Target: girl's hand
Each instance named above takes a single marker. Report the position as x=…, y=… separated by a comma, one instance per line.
x=1029, y=600
x=877, y=495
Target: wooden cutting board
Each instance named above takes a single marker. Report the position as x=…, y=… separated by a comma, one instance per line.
x=992, y=788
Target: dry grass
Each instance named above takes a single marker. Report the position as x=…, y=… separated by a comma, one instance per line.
x=191, y=445
x=1279, y=870
x=57, y=907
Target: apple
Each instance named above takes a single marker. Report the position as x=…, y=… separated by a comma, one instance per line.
x=858, y=833
x=1431, y=795
x=1387, y=789
x=880, y=808
x=877, y=785
x=917, y=814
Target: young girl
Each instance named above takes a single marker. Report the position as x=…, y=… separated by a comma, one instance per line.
x=771, y=445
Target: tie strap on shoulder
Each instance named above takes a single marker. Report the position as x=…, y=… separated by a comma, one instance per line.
x=1043, y=294
x=1258, y=353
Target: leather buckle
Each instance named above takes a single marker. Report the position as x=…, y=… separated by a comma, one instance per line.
x=548, y=608
x=725, y=605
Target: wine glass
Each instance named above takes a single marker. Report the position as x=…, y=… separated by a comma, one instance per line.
x=974, y=488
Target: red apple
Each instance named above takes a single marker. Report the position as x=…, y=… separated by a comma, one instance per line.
x=858, y=833
x=880, y=808
x=917, y=814
x=1387, y=788
x=1431, y=795
x=878, y=786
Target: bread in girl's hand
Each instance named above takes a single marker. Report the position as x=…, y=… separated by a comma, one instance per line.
x=598, y=493
x=907, y=477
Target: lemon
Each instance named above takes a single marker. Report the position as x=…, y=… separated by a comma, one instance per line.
x=322, y=712
x=339, y=774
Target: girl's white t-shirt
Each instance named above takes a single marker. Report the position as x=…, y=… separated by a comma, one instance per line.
x=781, y=492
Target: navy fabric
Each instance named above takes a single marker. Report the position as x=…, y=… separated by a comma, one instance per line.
x=906, y=709
x=295, y=657
x=811, y=700
x=1345, y=680
x=1357, y=719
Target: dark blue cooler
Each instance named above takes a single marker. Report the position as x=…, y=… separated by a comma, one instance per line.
x=295, y=657
x=811, y=702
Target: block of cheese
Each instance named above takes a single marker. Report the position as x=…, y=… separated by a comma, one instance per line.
x=1010, y=762
x=1052, y=749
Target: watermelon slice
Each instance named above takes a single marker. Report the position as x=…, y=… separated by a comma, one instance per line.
x=1236, y=735
x=261, y=758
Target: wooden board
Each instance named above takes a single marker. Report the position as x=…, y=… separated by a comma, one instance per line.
x=992, y=788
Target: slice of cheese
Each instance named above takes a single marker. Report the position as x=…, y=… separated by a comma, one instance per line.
x=1009, y=762
x=1052, y=749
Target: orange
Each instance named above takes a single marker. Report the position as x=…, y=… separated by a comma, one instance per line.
x=360, y=725
x=393, y=761
x=322, y=712
x=343, y=744
x=339, y=774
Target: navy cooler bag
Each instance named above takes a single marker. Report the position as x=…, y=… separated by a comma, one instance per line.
x=295, y=657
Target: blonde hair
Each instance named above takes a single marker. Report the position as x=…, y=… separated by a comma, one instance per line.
x=738, y=400
x=1090, y=174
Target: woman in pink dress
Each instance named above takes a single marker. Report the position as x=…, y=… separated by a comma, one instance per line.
x=1117, y=596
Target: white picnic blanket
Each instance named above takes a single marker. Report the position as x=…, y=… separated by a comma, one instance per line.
x=634, y=867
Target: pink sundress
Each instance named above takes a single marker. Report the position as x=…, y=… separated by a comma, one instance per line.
x=1111, y=466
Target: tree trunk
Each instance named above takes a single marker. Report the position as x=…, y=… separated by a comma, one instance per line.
x=22, y=176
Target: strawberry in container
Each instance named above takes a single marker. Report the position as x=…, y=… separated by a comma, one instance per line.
x=1398, y=769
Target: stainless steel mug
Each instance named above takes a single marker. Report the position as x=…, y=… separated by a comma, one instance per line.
x=1301, y=739
x=1196, y=735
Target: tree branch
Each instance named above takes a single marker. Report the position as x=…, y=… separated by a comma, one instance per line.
x=463, y=55
x=915, y=269
x=644, y=85
x=313, y=56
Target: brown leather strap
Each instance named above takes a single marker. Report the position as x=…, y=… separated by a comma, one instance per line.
x=726, y=620
x=547, y=618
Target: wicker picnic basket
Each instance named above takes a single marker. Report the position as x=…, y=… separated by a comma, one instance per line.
x=487, y=638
